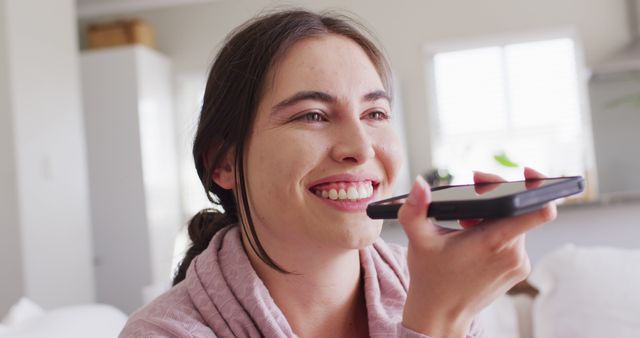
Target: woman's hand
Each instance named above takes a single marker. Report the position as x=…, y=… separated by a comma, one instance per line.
x=455, y=275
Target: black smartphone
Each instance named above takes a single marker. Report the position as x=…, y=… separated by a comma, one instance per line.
x=485, y=200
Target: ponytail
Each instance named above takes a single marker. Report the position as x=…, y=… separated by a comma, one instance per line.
x=201, y=229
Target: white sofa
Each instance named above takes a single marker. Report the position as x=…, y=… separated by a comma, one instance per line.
x=586, y=292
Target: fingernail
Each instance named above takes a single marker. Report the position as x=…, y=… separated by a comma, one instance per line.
x=419, y=185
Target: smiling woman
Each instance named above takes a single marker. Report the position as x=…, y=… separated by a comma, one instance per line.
x=244, y=68
x=294, y=141
x=322, y=124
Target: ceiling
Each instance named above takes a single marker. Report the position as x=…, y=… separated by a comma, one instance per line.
x=92, y=8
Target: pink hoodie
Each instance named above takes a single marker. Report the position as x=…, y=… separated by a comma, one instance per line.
x=222, y=296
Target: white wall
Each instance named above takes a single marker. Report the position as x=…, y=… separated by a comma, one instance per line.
x=190, y=35
x=10, y=255
x=49, y=155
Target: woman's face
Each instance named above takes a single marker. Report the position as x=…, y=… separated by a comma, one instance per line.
x=322, y=147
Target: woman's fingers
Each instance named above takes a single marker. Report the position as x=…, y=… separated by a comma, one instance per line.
x=480, y=177
x=532, y=174
x=483, y=182
x=500, y=232
x=533, y=178
x=413, y=213
x=468, y=223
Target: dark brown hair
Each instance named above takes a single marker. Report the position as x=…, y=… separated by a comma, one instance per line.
x=231, y=98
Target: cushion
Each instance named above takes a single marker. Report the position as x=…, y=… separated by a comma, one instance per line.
x=91, y=320
x=587, y=292
x=21, y=311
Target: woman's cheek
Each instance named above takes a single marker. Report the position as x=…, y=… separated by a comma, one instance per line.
x=390, y=152
x=292, y=157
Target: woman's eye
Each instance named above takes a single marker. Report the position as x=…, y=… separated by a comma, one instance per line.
x=312, y=117
x=378, y=115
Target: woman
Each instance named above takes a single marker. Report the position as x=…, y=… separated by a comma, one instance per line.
x=294, y=141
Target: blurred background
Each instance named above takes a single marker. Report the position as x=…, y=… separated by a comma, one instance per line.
x=99, y=101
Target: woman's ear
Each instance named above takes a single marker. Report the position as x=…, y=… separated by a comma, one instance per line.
x=224, y=174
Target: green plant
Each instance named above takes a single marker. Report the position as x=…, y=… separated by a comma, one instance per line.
x=504, y=160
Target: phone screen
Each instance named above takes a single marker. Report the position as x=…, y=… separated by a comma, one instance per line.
x=482, y=191
x=486, y=200
x=488, y=190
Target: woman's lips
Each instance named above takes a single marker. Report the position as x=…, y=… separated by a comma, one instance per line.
x=348, y=205
x=344, y=190
x=347, y=191
x=346, y=178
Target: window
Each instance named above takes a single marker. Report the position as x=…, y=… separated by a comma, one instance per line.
x=502, y=107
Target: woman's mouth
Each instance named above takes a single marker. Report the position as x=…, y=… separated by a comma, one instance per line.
x=345, y=191
x=346, y=196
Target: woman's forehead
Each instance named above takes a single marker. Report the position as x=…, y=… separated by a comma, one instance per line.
x=331, y=63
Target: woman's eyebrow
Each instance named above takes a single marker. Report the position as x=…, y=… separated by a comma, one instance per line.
x=326, y=98
x=305, y=95
x=377, y=95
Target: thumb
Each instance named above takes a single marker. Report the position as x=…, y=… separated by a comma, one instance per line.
x=413, y=213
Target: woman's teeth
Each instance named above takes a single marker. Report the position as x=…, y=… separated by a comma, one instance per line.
x=351, y=193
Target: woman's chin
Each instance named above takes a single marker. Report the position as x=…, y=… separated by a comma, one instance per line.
x=360, y=237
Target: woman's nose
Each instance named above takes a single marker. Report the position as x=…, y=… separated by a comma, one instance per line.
x=352, y=144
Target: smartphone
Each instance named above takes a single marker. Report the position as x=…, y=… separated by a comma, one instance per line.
x=485, y=200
